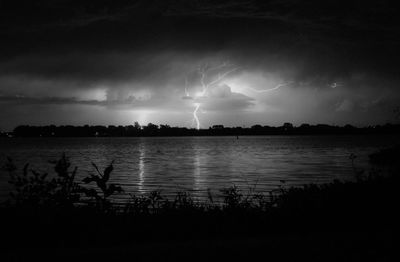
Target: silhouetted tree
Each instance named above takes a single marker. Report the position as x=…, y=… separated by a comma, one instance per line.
x=166, y=130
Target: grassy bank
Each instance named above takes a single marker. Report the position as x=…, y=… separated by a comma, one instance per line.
x=59, y=214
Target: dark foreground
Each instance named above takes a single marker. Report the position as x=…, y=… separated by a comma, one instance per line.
x=341, y=221
x=295, y=247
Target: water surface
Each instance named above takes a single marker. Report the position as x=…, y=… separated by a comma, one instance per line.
x=199, y=163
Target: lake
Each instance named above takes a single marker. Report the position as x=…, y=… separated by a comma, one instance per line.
x=197, y=164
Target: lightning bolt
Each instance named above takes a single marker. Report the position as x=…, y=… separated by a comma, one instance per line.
x=270, y=89
x=195, y=117
x=204, y=72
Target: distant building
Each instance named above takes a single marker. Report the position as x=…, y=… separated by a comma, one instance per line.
x=217, y=127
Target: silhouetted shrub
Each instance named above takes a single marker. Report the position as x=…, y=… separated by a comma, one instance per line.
x=32, y=188
x=102, y=182
x=35, y=189
x=233, y=198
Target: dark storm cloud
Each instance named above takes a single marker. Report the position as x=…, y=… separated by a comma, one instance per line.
x=24, y=100
x=311, y=36
x=138, y=53
x=129, y=102
x=89, y=67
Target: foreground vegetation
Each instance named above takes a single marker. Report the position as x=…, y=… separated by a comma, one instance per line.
x=57, y=211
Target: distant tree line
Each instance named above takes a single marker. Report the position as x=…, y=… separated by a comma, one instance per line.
x=150, y=129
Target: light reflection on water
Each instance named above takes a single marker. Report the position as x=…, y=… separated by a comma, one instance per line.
x=197, y=170
x=200, y=163
x=141, y=169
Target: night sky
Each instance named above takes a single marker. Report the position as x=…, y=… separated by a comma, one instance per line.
x=116, y=62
